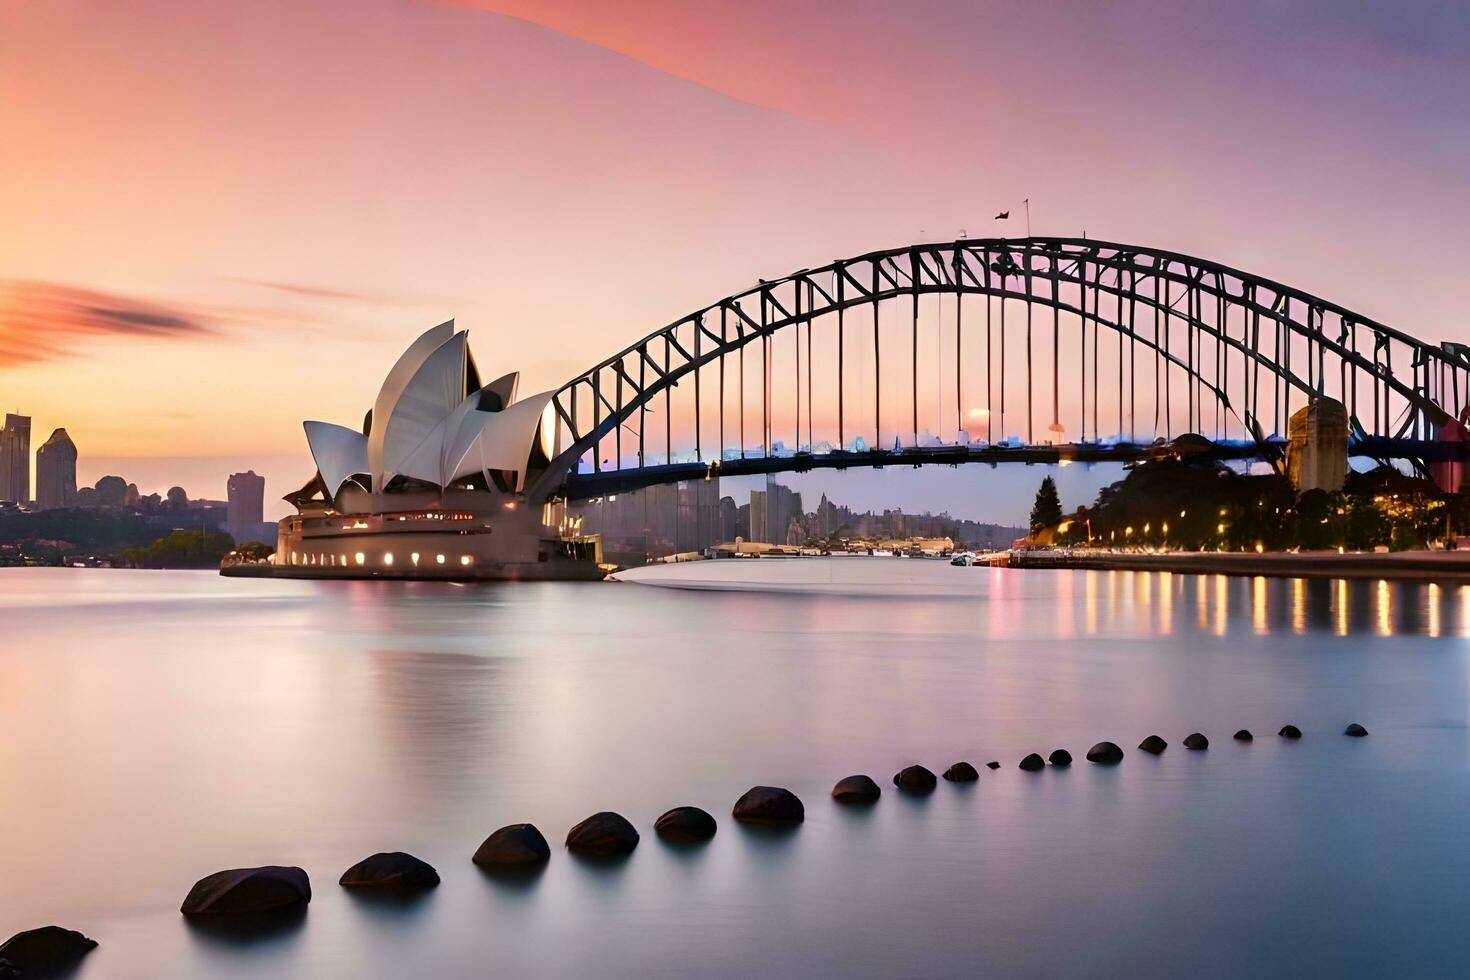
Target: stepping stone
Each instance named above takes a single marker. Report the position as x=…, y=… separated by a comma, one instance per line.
x=961, y=772
x=604, y=834
x=915, y=779
x=519, y=845
x=685, y=825
x=45, y=952
x=856, y=789
x=390, y=870
x=769, y=806
x=241, y=891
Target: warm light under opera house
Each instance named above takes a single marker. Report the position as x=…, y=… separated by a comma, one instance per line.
x=432, y=485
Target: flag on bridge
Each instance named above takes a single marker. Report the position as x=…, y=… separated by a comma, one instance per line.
x=1002, y=216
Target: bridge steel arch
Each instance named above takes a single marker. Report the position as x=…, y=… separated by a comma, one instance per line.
x=1208, y=334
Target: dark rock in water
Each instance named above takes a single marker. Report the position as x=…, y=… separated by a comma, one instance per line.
x=43, y=952
x=390, y=869
x=1196, y=741
x=1153, y=745
x=1290, y=731
x=856, y=789
x=769, y=805
x=1061, y=757
x=1105, y=754
x=915, y=779
x=992, y=765
x=1244, y=735
x=519, y=845
x=685, y=825
x=247, y=890
x=1355, y=730
x=604, y=834
x=961, y=772
x=1033, y=763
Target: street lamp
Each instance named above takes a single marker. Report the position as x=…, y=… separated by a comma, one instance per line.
x=1063, y=527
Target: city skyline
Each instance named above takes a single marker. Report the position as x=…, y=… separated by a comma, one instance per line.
x=141, y=312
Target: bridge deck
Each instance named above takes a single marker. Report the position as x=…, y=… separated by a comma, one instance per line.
x=583, y=486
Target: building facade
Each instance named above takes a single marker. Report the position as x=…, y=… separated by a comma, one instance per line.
x=1317, y=446
x=56, y=472
x=246, y=505
x=771, y=513
x=15, y=459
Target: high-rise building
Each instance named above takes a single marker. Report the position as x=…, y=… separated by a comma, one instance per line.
x=15, y=459
x=771, y=511
x=825, y=519
x=56, y=472
x=697, y=524
x=729, y=519
x=246, y=505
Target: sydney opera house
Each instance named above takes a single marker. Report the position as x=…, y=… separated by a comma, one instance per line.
x=431, y=485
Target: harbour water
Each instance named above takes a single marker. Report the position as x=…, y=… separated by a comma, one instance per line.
x=159, y=726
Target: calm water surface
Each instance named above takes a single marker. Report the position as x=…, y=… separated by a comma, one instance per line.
x=158, y=726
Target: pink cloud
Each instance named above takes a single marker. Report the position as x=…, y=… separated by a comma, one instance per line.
x=45, y=321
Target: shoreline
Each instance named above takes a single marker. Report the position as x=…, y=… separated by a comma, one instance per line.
x=1398, y=565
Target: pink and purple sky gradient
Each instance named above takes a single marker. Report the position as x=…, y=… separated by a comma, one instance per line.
x=219, y=218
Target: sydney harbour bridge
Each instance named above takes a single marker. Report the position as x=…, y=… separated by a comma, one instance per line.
x=1035, y=350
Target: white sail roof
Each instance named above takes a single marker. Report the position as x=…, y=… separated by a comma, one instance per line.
x=398, y=378
x=502, y=441
x=424, y=427
x=504, y=388
x=339, y=452
x=428, y=397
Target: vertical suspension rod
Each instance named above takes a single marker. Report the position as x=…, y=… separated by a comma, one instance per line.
x=841, y=355
x=914, y=353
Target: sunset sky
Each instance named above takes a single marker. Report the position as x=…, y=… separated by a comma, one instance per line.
x=220, y=218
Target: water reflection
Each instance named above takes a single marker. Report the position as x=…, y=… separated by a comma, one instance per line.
x=1298, y=606
x=1145, y=601
x=258, y=932
x=513, y=880
x=321, y=723
x=1258, y=605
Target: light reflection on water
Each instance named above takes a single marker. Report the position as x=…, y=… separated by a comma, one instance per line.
x=155, y=727
x=1265, y=606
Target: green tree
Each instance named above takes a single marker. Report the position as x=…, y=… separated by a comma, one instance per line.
x=1047, y=511
x=181, y=549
